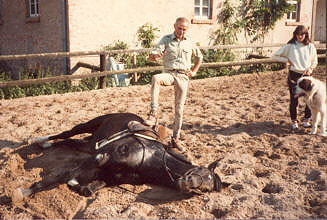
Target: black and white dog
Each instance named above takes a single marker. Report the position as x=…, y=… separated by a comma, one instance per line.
x=314, y=92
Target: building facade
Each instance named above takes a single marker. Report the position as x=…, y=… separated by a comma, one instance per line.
x=41, y=26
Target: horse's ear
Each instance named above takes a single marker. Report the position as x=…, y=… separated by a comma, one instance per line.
x=213, y=165
x=218, y=184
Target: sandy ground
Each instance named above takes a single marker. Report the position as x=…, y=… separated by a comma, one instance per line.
x=273, y=172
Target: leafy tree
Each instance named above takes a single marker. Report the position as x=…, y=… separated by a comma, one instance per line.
x=146, y=34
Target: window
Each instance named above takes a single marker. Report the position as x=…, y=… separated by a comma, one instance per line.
x=32, y=11
x=293, y=15
x=202, y=9
x=34, y=8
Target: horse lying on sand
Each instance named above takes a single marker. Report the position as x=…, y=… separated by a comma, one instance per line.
x=124, y=151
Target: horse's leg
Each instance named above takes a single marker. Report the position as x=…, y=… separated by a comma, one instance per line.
x=88, y=189
x=87, y=172
x=88, y=127
x=48, y=182
x=81, y=145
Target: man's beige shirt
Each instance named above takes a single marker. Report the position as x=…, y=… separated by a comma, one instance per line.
x=178, y=52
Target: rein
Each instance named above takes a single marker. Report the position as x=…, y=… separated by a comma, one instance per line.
x=138, y=136
x=164, y=158
x=126, y=133
x=168, y=170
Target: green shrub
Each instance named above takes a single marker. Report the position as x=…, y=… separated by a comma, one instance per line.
x=45, y=88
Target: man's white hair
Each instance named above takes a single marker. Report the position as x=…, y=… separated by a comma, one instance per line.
x=181, y=19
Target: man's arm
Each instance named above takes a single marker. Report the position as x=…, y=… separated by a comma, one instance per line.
x=159, y=51
x=197, y=62
x=196, y=67
x=156, y=57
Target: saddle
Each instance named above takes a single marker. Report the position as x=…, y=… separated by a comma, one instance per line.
x=133, y=128
x=140, y=130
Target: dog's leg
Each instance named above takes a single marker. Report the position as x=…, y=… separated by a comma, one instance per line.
x=323, y=124
x=315, y=120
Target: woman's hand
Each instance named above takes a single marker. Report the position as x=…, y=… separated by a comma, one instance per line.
x=307, y=72
x=290, y=62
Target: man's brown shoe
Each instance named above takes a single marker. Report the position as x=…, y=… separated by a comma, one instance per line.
x=152, y=119
x=181, y=149
x=176, y=143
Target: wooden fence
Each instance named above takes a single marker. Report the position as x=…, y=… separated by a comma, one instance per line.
x=101, y=73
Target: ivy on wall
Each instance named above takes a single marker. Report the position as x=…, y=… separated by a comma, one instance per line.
x=255, y=17
x=260, y=16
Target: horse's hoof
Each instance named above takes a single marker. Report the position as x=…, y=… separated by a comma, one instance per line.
x=31, y=140
x=86, y=191
x=19, y=194
x=45, y=145
x=37, y=140
x=323, y=134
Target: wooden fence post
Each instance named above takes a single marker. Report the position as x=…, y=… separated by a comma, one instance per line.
x=286, y=67
x=102, y=68
x=135, y=76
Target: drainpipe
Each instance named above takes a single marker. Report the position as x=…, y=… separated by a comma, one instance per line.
x=313, y=20
x=65, y=43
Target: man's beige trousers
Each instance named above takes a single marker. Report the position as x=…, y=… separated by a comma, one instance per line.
x=180, y=82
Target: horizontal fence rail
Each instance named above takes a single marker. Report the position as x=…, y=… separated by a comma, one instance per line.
x=102, y=54
x=133, y=70
x=98, y=52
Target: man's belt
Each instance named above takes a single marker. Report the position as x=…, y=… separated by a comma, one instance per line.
x=181, y=71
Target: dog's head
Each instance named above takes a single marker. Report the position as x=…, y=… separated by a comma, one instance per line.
x=304, y=86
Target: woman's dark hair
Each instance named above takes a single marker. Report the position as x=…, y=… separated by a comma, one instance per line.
x=298, y=30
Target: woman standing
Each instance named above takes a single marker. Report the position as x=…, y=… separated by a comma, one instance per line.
x=301, y=54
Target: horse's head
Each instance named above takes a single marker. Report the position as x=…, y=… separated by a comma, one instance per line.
x=200, y=179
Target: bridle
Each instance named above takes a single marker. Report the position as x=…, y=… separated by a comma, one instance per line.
x=140, y=138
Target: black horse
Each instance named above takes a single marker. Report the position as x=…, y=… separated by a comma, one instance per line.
x=123, y=150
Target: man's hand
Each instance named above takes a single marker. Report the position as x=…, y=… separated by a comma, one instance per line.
x=156, y=57
x=190, y=73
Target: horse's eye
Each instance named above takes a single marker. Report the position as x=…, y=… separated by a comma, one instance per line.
x=123, y=149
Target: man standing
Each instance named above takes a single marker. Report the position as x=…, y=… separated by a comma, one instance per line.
x=177, y=50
